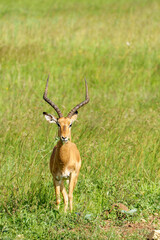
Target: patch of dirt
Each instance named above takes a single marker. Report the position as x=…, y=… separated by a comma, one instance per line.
x=141, y=228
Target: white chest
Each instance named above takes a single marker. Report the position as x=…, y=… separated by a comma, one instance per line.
x=63, y=176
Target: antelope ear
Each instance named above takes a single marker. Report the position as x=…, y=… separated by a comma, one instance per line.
x=74, y=117
x=50, y=118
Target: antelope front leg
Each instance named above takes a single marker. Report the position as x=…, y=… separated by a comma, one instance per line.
x=72, y=183
x=57, y=191
x=65, y=196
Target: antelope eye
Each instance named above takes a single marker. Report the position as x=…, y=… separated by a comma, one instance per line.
x=70, y=125
x=58, y=124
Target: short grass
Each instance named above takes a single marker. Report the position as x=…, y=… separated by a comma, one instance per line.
x=116, y=46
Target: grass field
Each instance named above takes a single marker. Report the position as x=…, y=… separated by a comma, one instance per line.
x=116, y=46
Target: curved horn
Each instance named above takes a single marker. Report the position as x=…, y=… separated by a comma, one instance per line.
x=70, y=114
x=49, y=101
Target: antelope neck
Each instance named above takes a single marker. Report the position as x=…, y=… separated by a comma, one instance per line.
x=61, y=143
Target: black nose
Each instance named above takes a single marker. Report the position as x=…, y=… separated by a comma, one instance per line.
x=64, y=138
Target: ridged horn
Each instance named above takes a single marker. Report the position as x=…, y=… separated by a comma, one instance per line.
x=50, y=102
x=70, y=114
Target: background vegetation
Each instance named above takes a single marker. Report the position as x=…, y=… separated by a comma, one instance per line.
x=116, y=46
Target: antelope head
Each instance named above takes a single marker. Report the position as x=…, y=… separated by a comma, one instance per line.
x=64, y=123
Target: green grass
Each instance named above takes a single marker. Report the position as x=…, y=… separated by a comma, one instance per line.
x=116, y=46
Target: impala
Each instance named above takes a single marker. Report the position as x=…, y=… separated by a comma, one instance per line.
x=65, y=160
